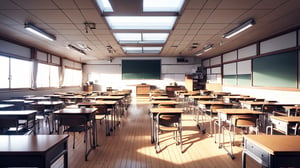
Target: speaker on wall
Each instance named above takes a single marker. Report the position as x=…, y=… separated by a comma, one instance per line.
x=182, y=60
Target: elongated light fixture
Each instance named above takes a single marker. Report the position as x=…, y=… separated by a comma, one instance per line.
x=247, y=24
x=205, y=49
x=76, y=49
x=40, y=32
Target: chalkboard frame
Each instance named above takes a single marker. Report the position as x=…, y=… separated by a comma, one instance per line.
x=277, y=70
x=141, y=69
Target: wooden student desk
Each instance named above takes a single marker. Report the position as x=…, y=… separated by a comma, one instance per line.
x=13, y=118
x=224, y=115
x=205, y=106
x=108, y=104
x=89, y=115
x=33, y=151
x=273, y=151
x=283, y=124
x=6, y=106
x=155, y=111
x=156, y=103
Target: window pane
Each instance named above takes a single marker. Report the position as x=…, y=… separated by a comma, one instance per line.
x=21, y=71
x=54, y=76
x=42, y=79
x=4, y=72
x=72, y=77
x=141, y=22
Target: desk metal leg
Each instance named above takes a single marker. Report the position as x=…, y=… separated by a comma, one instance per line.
x=244, y=159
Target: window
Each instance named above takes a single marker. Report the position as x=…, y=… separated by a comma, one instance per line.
x=4, y=72
x=47, y=76
x=54, y=76
x=15, y=73
x=21, y=73
x=72, y=77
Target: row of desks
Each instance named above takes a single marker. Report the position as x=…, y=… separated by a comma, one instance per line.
x=284, y=153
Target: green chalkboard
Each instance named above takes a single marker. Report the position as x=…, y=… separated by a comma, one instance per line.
x=229, y=79
x=278, y=70
x=244, y=80
x=141, y=69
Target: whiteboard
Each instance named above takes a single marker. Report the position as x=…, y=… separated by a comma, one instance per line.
x=181, y=69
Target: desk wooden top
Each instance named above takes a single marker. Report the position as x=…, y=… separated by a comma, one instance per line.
x=238, y=111
x=40, y=98
x=287, y=119
x=291, y=107
x=48, y=103
x=255, y=102
x=76, y=111
x=166, y=110
x=213, y=102
x=13, y=144
x=17, y=101
x=6, y=105
x=162, y=98
x=98, y=102
x=17, y=112
x=276, y=144
x=166, y=102
x=72, y=97
x=201, y=97
x=106, y=97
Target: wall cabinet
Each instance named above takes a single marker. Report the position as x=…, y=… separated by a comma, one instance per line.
x=194, y=82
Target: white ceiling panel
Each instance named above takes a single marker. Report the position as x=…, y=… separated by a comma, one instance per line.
x=200, y=21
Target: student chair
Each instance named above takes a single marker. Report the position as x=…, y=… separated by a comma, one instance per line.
x=42, y=115
x=103, y=113
x=245, y=122
x=77, y=123
x=168, y=122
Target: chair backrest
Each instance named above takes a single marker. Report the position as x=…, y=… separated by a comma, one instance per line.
x=73, y=120
x=7, y=122
x=244, y=120
x=166, y=105
x=214, y=107
x=101, y=109
x=168, y=119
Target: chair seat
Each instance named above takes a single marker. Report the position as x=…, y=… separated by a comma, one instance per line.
x=100, y=117
x=164, y=128
x=75, y=129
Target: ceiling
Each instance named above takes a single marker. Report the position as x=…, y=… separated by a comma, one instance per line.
x=200, y=22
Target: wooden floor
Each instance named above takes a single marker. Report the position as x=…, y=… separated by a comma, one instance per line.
x=129, y=146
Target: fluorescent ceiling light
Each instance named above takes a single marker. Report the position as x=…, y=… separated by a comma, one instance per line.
x=40, y=32
x=249, y=23
x=142, y=50
x=104, y=5
x=141, y=38
x=205, y=49
x=76, y=49
x=141, y=22
x=162, y=5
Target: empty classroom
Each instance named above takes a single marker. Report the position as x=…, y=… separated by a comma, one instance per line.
x=149, y=83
